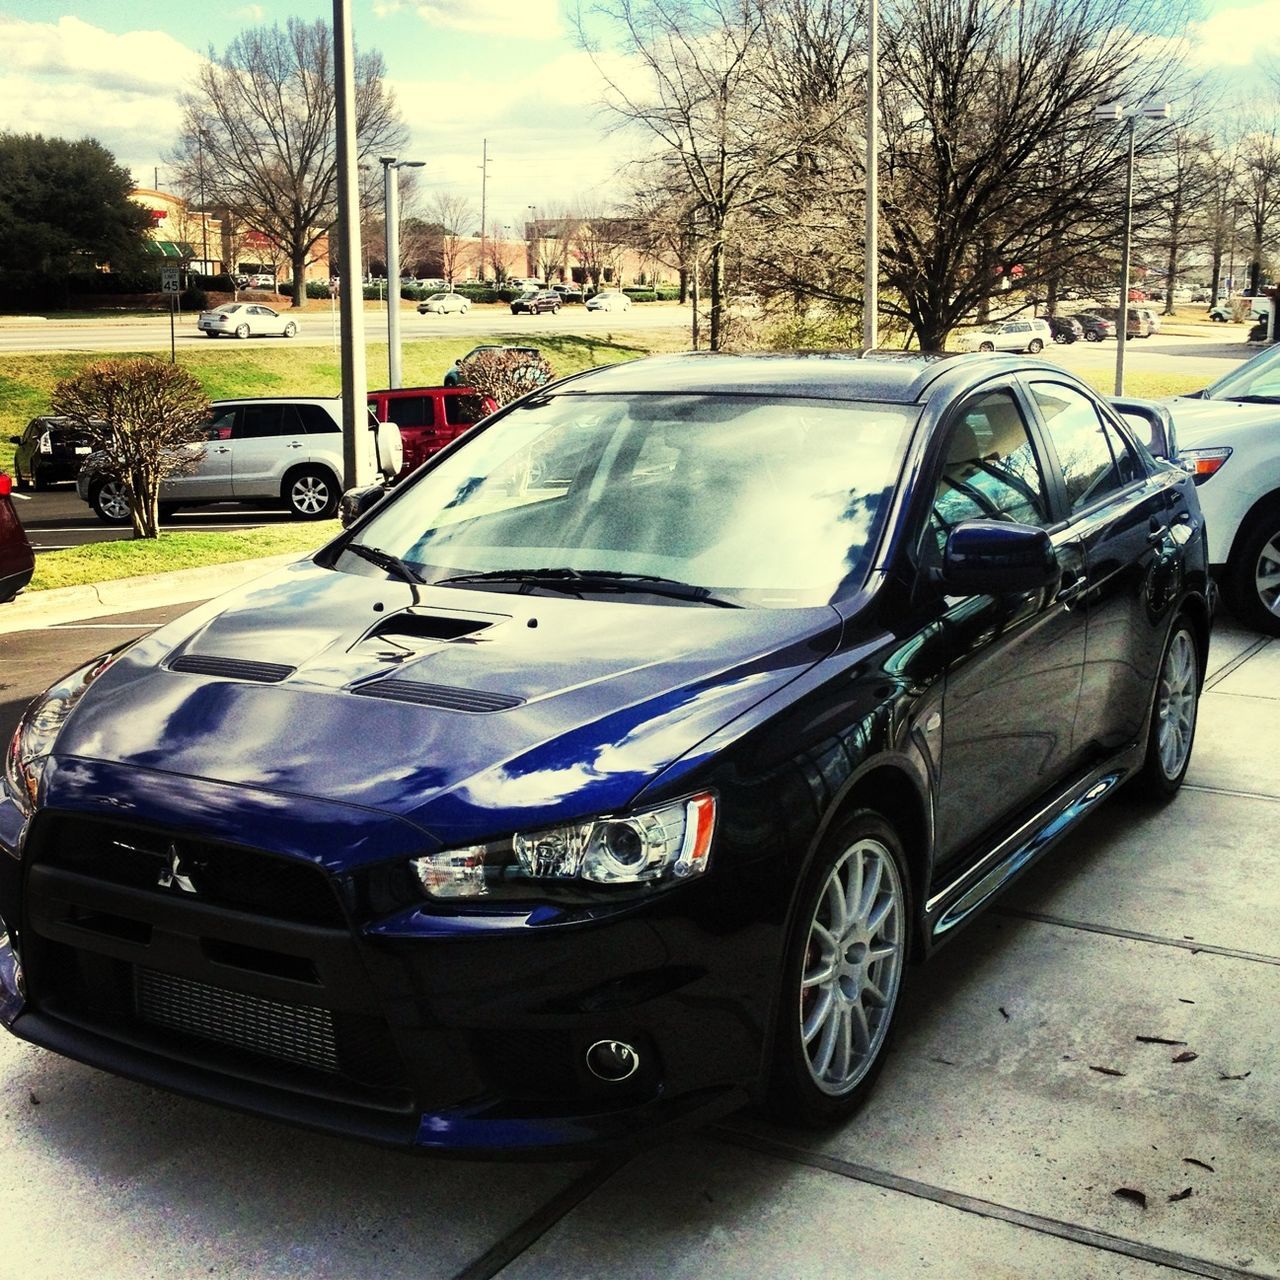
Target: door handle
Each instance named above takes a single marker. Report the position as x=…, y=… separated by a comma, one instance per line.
x=1074, y=585
x=1157, y=532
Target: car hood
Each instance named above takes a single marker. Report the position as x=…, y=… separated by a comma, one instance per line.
x=1210, y=422
x=466, y=714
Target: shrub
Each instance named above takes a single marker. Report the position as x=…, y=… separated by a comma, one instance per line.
x=509, y=295
x=214, y=284
x=481, y=292
x=193, y=299
x=504, y=375
x=641, y=295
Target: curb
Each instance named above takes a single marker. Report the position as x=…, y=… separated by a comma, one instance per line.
x=35, y=610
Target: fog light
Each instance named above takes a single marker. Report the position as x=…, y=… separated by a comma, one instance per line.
x=612, y=1060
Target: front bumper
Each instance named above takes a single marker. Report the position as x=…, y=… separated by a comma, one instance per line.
x=448, y=1033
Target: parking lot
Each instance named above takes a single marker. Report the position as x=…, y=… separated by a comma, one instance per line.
x=1087, y=1083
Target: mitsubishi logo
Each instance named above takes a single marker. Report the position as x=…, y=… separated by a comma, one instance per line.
x=175, y=873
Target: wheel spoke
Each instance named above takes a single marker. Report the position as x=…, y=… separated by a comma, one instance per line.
x=818, y=1015
x=870, y=890
x=838, y=907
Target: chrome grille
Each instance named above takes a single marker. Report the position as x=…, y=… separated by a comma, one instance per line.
x=300, y=1034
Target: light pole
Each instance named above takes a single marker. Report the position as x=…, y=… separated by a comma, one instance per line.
x=391, y=194
x=871, y=248
x=1113, y=111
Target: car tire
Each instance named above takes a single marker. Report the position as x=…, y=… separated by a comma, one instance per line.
x=1255, y=560
x=1061, y=339
x=310, y=493
x=1092, y=335
x=842, y=973
x=209, y=333
x=1035, y=346
x=110, y=502
x=555, y=311
x=986, y=346
x=1174, y=707
x=39, y=481
x=242, y=331
x=290, y=330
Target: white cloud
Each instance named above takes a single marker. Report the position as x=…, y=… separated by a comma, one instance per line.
x=515, y=19
x=254, y=13
x=70, y=79
x=1235, y=36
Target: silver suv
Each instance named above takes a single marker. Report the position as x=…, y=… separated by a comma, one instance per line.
x=286, y=449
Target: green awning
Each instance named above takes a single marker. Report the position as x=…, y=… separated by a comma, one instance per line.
x=169, y=249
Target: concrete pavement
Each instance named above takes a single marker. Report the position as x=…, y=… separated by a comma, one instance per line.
x=1111, y=1027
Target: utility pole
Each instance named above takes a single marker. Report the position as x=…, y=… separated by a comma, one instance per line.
x=484, y=194
x=871, y=252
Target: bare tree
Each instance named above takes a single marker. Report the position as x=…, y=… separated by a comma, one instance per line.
x=1258, y=179
x=455, y=215
x=1185, y=187
x=260, y=125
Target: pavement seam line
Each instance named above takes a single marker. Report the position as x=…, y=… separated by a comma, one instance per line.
x=1228, y=791
x=1070, y=1231
x=539, y=1222
x=1185, y=944
x=1235, y=663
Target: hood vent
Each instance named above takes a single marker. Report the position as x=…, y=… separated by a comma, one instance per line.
x=438, y=695
x=232, y=668
x=409, y=626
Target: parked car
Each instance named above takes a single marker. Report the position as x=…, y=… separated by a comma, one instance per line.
x=1229, y=436
x=49, y=450
x=246, y=320
x=535, y=301
x=1137, y=325
x=452, y=376
x=17, y=559
x=429, y=417
x=442, y=304
x=609, y=300
x=1151, y=318
x=569, y=292
x=262, y=281
x=522, y=820
x=1065, y=329
x=1095, y=326
x=1008, y=335
x=279, y=449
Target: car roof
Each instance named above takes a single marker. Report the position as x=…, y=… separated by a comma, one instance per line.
x=902, y=377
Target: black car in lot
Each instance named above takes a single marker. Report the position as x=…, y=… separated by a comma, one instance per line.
x=536, y=301
x=49, y=450
x=1065, y=328
x=549, y=805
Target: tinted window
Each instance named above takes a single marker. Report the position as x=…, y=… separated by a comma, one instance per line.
x=463, y=410
x=261, y=420
x=219, y=427
x=411, y=411
x=990, y=471
x=1081, y=442
x=315, y=420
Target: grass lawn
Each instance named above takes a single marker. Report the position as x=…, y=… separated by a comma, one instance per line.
x=106, y=561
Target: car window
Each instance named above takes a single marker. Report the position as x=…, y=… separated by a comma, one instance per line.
x=411, y=411
x=1095, y=460
x=314, y=420
x=990, y=471
x=259, y=421
x=466, y=409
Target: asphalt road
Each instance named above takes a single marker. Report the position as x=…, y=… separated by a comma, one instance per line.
x=318, y=326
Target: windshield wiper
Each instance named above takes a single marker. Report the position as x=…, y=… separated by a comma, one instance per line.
x=579, y=580
x=1258, y=399
x=391, y=563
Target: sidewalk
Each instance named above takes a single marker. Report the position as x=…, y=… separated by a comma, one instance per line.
x=32, y=610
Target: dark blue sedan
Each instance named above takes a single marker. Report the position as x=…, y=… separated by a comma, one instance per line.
x=614, y=770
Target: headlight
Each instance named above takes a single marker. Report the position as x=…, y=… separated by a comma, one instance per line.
x=644, y=848
x=1202, y=463
x=34, y=737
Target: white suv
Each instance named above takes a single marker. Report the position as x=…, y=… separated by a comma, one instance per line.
x=1229, y=439
x=1009, y=335
x=286, y=449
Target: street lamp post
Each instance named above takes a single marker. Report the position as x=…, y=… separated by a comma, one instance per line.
x=533, y=241
x=391, y=196
x=1114, y=111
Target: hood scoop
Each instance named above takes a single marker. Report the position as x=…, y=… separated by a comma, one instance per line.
x=408, y=625
x=232, y=668
x=438, y=695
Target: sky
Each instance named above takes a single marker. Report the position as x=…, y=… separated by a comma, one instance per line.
x=463, y=71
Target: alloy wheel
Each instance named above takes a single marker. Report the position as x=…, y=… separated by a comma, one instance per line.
x=113, y=501
x=852, y=966
x=1266, y=575
x=310, y=496
x=1176, y=704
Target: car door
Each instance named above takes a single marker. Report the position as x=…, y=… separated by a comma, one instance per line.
x=269, y=439
x=210, y=478
x=1015, y=662
x=1121, y=509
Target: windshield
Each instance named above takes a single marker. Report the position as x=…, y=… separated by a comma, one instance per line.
x=1256, y=379
x=755, y=499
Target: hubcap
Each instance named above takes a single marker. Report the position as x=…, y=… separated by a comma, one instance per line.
x=310, y=495
x=852, y=967
x=1176, y=705
x=1266, y=575
x=113, y=500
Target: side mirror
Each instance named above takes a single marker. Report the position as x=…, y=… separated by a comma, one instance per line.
x=355, y=502
x=1152, y=423
x=995, y=557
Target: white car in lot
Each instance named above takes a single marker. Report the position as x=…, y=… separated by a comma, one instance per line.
x=609, y=300
x=1229, y=438
x=283, y=450
x=1008, y=335
x=246, y=320
x=443, y=304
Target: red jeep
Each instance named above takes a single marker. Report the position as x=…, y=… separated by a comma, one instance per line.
x=429, y=417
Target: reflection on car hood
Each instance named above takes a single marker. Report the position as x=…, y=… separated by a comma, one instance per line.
x=530, y=707
x=1209, y=422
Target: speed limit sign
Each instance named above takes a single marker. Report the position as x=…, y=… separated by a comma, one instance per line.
x=169, y=280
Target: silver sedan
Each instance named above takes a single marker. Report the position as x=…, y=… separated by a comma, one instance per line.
x=609, y=300
x=246, y=319
x=443, y=303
